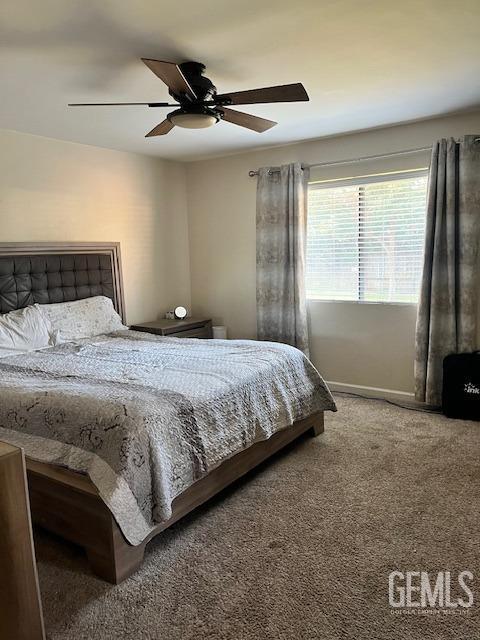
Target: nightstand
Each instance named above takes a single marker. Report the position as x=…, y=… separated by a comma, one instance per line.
x=187, y=328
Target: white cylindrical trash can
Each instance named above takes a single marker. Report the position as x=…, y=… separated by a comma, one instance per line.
x=219, y=333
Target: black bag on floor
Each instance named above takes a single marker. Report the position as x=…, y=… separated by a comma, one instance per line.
x=461, y=386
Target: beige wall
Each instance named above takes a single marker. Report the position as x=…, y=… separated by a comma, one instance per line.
x=361, y=344
x=52, y=191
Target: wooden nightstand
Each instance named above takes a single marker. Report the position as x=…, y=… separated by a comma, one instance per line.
x=188, y=328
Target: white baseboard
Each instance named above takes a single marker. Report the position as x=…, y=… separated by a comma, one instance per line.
x=371, y=392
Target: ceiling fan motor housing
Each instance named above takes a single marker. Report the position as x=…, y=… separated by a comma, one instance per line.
x=203, y=87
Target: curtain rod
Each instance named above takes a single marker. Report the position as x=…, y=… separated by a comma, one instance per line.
x=377, y=157
x=384, y=155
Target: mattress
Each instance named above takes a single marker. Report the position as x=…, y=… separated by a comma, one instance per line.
x=147, y=416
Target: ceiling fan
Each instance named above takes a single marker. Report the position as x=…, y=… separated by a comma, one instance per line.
x=199, y=103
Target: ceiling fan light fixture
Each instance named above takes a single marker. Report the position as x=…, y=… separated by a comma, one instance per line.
x=200, y=120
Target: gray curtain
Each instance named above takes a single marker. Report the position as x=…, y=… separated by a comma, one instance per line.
x=281, y=231
x=447, y=312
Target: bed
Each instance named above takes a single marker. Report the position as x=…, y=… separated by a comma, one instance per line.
x=126, y=433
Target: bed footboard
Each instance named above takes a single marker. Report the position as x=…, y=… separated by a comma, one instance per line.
x=319, y=426
x=68, y=503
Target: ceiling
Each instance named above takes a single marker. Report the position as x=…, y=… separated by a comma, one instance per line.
x=364, y=64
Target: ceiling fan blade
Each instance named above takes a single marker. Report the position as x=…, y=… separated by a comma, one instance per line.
x=161, y=129
x=120, y=104
x=172, y=76
x=247, y=120
x=282, y=93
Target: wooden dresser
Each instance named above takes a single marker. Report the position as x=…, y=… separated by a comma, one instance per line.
x=20, y=606
x=187, y=328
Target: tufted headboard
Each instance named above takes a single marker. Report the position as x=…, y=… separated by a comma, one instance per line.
x=44, y=273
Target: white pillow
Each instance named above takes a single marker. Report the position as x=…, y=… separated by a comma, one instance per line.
x=82, y=318
x=25, y=330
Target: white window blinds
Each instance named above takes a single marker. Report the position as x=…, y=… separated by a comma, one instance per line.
x=365, y=238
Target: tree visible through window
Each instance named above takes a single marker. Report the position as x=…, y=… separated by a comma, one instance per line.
x=365, y=238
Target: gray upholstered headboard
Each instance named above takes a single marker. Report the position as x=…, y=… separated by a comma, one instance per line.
x=44, y=273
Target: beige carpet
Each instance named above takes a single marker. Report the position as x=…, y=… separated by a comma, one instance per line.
x=302, y=549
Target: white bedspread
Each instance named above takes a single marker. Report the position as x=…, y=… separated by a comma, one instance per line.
x=147, y=416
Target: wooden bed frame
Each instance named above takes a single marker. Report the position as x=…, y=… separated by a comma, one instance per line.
x=68, y=503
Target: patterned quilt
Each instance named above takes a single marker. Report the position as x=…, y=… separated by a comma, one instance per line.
x=145, y=417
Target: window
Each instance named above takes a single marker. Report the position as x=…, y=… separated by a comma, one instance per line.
x=365, y=238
